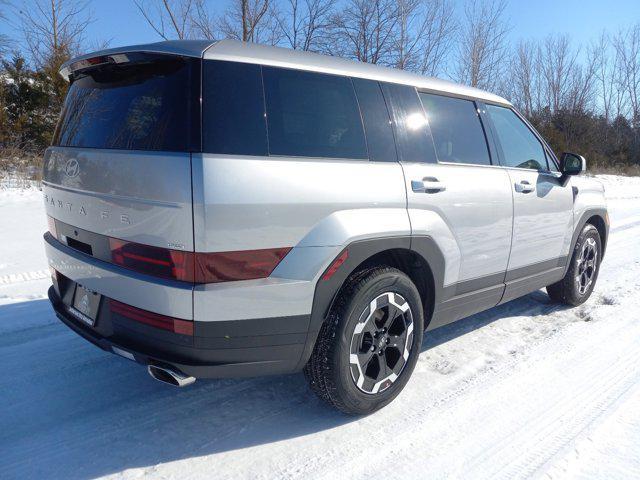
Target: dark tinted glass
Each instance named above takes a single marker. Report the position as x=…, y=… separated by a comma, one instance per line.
x=519, y=145
x=233, y=109
x=377, y=124
x=140, y=106
x=456, y=129
x=312, y=115
x=410, y=124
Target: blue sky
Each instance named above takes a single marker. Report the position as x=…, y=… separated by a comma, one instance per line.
x=120, y=22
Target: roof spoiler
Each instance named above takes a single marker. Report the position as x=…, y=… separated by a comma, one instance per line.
x=68, y=69
x=184, y=48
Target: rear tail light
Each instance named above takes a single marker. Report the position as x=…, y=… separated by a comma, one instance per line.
x=196, y=267
x=175, y=325
x=159, y=262
x=242, y=265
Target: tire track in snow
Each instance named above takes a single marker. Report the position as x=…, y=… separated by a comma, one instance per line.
x=540, y=442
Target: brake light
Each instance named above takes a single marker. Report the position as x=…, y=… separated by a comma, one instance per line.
x=175, y=325
x=159, y=262
x=196, y=267
x=241, y=265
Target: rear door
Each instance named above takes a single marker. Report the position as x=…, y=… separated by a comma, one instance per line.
x=543, y=206
x=459, y=198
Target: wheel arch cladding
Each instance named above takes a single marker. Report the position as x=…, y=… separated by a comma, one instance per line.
x=599, y=222
x=418, y=257
x=597, y=218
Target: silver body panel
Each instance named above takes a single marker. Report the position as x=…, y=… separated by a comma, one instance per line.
x=316, y=206
x=471, y=220
x=543, y=218
x=143, y=197
x=590, y=195
x=247, y=203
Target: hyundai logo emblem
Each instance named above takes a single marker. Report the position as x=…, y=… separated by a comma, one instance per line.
x=72, y=168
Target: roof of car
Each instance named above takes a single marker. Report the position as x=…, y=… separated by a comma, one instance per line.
x=245, y=52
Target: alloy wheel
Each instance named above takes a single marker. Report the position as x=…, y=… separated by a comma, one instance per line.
x=587, y=265
x=381, y=343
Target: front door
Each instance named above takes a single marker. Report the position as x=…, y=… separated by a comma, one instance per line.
x=542, y=203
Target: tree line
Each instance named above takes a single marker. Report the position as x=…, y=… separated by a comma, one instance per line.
x=582, y=98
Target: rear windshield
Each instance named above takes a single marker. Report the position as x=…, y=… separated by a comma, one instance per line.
x=146, y=105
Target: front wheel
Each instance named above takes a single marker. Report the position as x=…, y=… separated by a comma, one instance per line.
x=579, y=281
x=369, y=345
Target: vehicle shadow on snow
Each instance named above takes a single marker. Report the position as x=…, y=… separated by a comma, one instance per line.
x=533, y=304
x=78, y=412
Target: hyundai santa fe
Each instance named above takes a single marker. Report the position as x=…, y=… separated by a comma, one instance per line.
x=223, y=209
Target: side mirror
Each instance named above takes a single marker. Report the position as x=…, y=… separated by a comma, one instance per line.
x=572, y=164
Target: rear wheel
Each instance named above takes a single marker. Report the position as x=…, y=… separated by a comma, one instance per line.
x=369, y=345
x=579, y=281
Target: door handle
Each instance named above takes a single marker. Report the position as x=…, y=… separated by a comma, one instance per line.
x=524, y=187
x=427, y=185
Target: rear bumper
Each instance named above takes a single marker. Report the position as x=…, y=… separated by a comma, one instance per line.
x=218, y=349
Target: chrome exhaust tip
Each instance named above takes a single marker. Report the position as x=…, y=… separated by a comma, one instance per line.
x=170, y=376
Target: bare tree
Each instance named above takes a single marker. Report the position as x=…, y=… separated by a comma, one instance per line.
x=5, y=40
x=566, y=84
x=582, y=91
x=524, y=77
x=627, y=47
x=605, y=74
x=305, y=24
x=364, y=30
x=54, y=29
x=251, y=21
x=481, y=45
x=170, y=19
x=204, y=23
x=424, y=33
x=556, y=66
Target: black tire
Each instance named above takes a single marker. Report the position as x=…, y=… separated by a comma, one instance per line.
x=572, y=289
x=331, y=374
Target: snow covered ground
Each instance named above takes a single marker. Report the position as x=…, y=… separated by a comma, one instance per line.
x=526, y=390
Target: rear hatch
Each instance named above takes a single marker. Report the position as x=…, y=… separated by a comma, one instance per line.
x=120, y=164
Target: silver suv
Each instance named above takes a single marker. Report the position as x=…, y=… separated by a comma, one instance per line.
x=227, y=209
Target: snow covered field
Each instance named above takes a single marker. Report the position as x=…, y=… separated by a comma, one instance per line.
x=526, y=390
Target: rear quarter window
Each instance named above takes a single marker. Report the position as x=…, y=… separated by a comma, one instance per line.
x=312, y=115
x=146, y=105
x=233, y=116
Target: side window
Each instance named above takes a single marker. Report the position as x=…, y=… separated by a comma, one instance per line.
x=377, y=123
x=520, y=146
x=312, y=115
x=233, y=109
x=456, y=130
x=410, y=124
